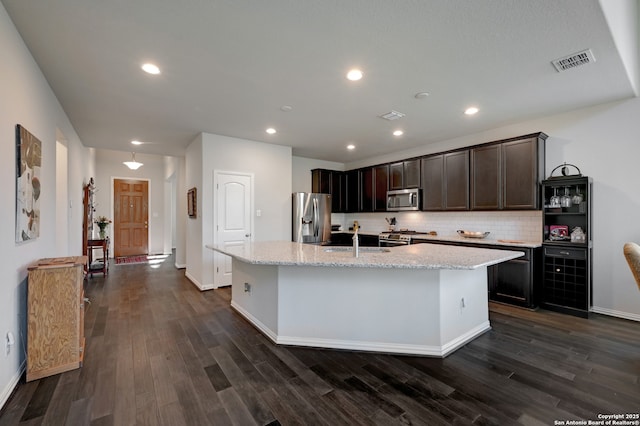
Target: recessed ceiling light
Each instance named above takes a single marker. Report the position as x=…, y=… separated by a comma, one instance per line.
x=421, y=95
x=398, y=133
x=471, y=110
x=286, y=108
x=270, y=130
x=151, y=68
x=136, y=143
x=354, y=74
x=351, y=147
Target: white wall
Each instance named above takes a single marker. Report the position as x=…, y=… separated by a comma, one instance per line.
x=603, y=141
x=272, y=170
x=301, y=173
x=175, y=205
x=109, y=166
x=194, y=243
x=27, y=99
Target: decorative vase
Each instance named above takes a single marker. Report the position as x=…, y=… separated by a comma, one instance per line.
x=103, y=230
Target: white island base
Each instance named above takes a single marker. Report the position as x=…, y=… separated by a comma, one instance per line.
x=429, y=312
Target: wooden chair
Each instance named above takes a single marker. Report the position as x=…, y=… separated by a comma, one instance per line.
x=632, y=254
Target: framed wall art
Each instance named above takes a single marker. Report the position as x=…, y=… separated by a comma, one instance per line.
x=192, y=203
x=28, y=185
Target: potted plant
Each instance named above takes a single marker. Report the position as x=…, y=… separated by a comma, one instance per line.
x=102, y=222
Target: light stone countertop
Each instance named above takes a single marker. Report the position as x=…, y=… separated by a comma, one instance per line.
x=458, y=239
x=488, y=240
x=419, y=256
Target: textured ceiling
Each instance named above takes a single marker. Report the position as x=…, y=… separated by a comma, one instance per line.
x=229, y=66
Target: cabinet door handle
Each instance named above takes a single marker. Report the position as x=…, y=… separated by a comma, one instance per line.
x=565, y=253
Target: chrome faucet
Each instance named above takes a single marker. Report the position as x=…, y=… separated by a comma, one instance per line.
x=356, y=244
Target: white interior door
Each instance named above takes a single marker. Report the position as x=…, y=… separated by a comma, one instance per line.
x=233, y=224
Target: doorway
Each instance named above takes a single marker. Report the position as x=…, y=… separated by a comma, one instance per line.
x=233, y=225
x=131, y=217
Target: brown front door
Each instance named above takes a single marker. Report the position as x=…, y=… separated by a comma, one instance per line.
x=130, y=227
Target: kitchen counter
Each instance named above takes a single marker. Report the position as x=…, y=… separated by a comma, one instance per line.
x=488, y=241
x=419, y=256
x=455, y=238
x=423, y=299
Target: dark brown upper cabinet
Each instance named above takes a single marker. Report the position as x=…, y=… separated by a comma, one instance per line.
x=522, y=171
x=367, y=190
x=404, y=174
x=445, y=181
x=506, y=175
x=381, y=185
x=352, y=196
x=374, y=183
x=499, y=175
x=486, y=178
x=432, y=182
x=331, y=182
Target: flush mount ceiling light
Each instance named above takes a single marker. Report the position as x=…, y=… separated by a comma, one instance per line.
x=133, y=164
x=351, y=147
x=136, y=143
x=271, y=130
x=398, y=133
x=150, y=68
x=471, y=111
x=354, y=74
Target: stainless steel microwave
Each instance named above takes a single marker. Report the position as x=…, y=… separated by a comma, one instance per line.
x=403, y=199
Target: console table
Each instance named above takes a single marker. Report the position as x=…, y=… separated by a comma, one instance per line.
x=102, y=267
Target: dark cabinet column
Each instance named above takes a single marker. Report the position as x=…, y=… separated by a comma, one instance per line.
x=367, y=190
x=432, y=182
x=330, y=182
x=412, y=175
x=505, y=175
x=352, y=197
x=321, y=181
x=486, y=180
x=396, y=176
x=520, y=171
x=456, y=173
x=381, y=182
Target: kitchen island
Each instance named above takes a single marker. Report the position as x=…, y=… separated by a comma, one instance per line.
x=417, y=299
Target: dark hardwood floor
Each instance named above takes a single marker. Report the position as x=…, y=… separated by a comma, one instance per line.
x=161, y=352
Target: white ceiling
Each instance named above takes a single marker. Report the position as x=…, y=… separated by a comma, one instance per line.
x=229, y=65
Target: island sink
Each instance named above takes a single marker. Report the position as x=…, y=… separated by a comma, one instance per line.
x=347, y=249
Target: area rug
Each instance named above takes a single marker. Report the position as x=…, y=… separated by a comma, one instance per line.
x=130, y=260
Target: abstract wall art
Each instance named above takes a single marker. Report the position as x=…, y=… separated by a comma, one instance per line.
x=28, y=185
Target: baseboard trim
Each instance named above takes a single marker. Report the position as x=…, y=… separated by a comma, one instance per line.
x=614, y=313
x=200, y=286
x=381, y=347
x=8, y=390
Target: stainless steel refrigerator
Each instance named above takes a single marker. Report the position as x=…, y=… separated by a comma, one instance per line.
x=311, y=218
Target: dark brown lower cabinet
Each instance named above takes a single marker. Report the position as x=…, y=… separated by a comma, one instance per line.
x=514, y=281
x=346, y=239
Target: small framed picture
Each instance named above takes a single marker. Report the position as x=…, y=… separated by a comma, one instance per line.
x=192, y=203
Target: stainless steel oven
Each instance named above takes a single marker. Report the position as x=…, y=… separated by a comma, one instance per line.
x=393, y=239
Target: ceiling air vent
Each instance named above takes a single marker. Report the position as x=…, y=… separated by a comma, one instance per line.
x=393, y=115
x=575, y=60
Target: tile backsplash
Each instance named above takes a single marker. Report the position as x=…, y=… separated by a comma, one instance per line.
x=514, y=225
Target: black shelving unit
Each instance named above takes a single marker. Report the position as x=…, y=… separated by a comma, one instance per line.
x=566, y=281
